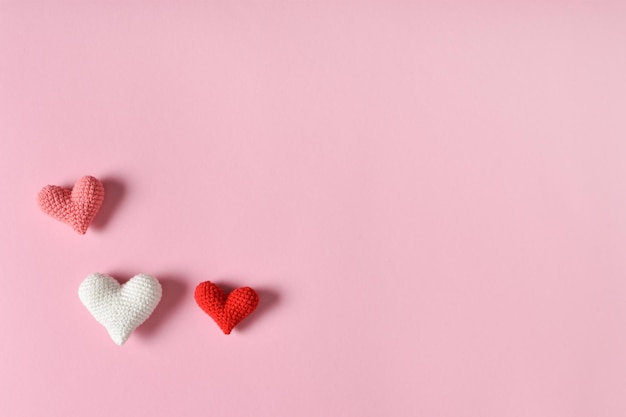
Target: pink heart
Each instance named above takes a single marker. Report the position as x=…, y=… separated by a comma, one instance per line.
x=76, y=207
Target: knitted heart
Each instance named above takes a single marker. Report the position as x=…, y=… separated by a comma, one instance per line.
x=76, y=207
x=120, y=308
x=227, y=311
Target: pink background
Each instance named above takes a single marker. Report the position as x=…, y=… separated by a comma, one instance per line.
x=429, y=199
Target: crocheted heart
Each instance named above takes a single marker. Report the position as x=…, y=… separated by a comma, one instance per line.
x=76, y=207
x=120, y=308
x=227, y=311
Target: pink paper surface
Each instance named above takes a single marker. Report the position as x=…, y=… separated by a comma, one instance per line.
x=429, y=199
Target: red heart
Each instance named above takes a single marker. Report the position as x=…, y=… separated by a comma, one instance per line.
x=76, y=207
x=227, y=311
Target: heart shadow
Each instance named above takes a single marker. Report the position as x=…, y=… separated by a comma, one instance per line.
x=268, y=298
x=174, y=290
x=114, y=192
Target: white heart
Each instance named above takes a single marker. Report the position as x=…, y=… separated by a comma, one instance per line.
x=120, y=308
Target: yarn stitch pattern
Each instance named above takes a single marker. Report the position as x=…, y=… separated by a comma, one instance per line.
x=120, y=308
x=226, y=310
x=76, y=207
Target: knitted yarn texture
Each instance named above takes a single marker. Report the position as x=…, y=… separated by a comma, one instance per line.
x=120, y=308
x=227, y=311
x=76, y=207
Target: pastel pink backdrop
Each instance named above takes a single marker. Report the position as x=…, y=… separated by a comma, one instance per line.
x=430, y=200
